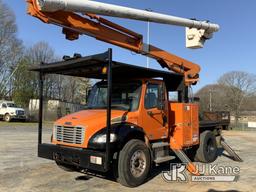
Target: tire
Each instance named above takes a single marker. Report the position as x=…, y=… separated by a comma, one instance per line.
x=133, y=163
x=7, y=118
x=207, y=151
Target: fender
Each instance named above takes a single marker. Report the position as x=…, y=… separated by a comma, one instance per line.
x=124, y=131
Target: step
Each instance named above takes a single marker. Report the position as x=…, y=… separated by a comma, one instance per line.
x=164, y=159
x=160, y=144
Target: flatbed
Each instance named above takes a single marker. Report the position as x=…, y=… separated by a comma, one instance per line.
x=220, y=117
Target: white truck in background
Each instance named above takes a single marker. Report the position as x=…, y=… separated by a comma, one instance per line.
x=10, y=111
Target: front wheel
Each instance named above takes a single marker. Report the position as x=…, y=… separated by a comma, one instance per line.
x=7, y=118
x=133, y=163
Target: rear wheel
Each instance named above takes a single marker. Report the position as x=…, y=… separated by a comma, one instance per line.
x=133, y=163
x=207, y=151
x=7, y=117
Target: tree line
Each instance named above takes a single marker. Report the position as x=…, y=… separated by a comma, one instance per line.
x=17, y=82
x=234, y=91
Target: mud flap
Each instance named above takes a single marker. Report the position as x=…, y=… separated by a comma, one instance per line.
x=184, y=159
x=229, y=150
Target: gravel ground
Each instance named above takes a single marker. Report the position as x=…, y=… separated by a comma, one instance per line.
x=22, y=170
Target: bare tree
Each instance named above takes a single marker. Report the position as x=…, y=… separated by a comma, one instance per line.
x=15, y=61
x=41, y=52
x=10, y=47
x=55, y=86
x=25, y=83
x=249, y=104
x=238, y=87
x=73, y=89
x=38, y=54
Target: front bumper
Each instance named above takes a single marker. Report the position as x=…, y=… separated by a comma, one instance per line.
x=79, y=158
x=18, y=117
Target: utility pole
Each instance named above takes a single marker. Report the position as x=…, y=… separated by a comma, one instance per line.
x=210, y=100
x=211, y=103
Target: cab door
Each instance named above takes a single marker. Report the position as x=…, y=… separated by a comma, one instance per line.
x=155, y=111
x=3, y=108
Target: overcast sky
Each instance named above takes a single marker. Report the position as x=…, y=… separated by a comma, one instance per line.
x=233, y=48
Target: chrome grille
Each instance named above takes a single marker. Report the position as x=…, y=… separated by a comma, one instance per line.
x=72, y=135
x=20, y=112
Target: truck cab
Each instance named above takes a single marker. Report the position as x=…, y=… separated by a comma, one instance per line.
x=141, y=112
x=10, y=111
x=129, y=122
x=136, y=104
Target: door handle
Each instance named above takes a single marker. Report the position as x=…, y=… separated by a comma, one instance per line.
x=150, y=113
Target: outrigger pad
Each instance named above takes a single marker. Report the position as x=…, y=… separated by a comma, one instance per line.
x=229, y=150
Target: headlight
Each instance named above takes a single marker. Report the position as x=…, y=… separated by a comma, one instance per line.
x=102, y=138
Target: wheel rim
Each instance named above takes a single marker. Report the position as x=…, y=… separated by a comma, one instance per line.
x=210, y=146
x=7, y=118
x=138, y=163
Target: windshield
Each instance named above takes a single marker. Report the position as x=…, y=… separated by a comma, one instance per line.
x=125, y=95
x=11, y=105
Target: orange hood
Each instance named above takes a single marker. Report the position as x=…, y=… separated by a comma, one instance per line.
x=93, y=121
x=89, y=118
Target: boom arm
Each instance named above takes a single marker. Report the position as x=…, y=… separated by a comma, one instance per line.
x=92, y=25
